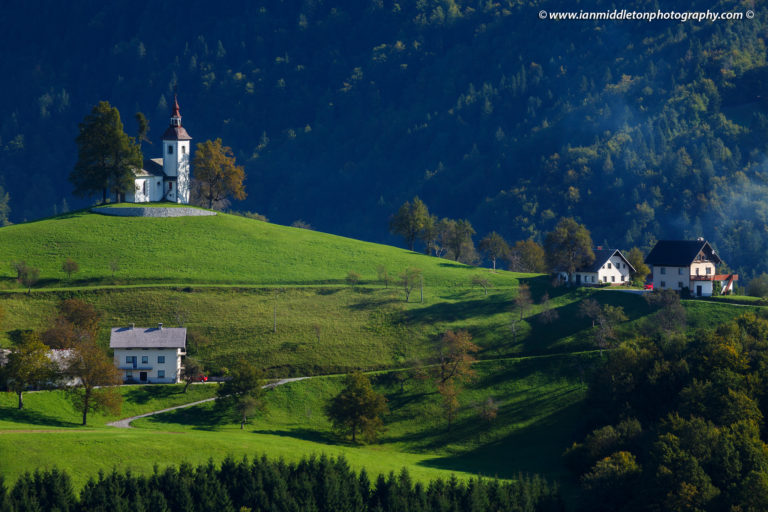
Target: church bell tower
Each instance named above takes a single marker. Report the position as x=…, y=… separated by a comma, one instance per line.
x=176, y=155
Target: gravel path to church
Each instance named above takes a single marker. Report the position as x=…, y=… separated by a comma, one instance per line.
x=126, y=422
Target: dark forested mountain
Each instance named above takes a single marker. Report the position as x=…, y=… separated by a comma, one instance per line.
x=340, y=111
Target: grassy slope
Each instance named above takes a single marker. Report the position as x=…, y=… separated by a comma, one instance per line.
x=221, y=249
x=539, y=410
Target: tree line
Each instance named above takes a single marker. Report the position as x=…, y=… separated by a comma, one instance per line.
x=315, y=484
x=566, y=248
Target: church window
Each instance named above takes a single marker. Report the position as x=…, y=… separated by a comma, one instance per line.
x=144, y=188
x=170, y=185
x=183, y=149
x=170, y=150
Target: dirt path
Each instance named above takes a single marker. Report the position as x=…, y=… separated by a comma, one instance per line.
x=126, y=422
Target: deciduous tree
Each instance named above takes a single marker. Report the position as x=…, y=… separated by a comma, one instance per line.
x=217, y=176
x=244, y=390
x=28, y=365
x=409, y=221
x=70, y=267
x=94, y=376
x=527, y=256
x=523, y=299
x=568, y=247
x=483, y=282
x=456, y=355
x=637, y=260
x=357, y=408
x=459, y=240
x=494, y=247
x=5, y=207
x=410, y=279
x=192, y=371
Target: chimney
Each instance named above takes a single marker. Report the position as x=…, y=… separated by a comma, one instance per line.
x=599, y=247
x=160, y=326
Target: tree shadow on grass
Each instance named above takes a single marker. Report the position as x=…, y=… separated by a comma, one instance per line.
x=537, y=448
x=305, y=434
x=33, y=418
x=201, y=417
x=143, y=394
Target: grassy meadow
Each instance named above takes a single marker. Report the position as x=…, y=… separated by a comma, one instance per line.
x=539, y=410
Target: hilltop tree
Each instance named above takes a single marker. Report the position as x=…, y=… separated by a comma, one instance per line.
x=70, y=267
x=357, y=408
x=106, y=156
x=409, y=221
x=95, y=376
x=494, y=247
x=217, y=176
x=28, y=365
x=244, y=390
x=527, y=256
x=569, y=246
x=459, y=240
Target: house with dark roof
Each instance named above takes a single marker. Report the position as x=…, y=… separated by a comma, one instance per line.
x=149, y=354
x=166, y=178
x=609, y=267
x=688, y=264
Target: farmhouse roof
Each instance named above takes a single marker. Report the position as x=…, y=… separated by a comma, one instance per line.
x=148, y=337
x=601, y=258
x=680, y=253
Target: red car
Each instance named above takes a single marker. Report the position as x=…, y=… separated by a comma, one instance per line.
x=203, y=378
x=648, y=286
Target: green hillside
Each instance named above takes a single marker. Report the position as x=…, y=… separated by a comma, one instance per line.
x=220, y=249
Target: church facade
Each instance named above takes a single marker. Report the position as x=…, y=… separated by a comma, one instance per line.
x=166, y=178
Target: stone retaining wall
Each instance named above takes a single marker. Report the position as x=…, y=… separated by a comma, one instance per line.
x=153, y=211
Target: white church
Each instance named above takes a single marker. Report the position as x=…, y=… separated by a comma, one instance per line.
x=166, y=178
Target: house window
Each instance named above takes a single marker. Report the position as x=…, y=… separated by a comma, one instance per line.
x=160, y=374
x=593, y=279
x=697, y=270
x=160, y=359
x=680, y=271
x=663, y=270
x=680, y=284
x=144, y=359
x=609, y=265
x=709, y=270
x=663, y=284
x=170, y=150
x=129, y=374
x=128, y=359
x=613, y=279
x=622, y=279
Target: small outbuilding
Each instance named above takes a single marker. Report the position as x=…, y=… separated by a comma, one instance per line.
x=149, y=354
x=609, y=267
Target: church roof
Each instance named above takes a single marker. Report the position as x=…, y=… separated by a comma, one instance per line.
x=176, y=133
x=150, y=167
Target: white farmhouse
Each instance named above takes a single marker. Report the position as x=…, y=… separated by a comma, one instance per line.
x=687, y=264
x=609, y=267
x=166, y=178
x=149, y=354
